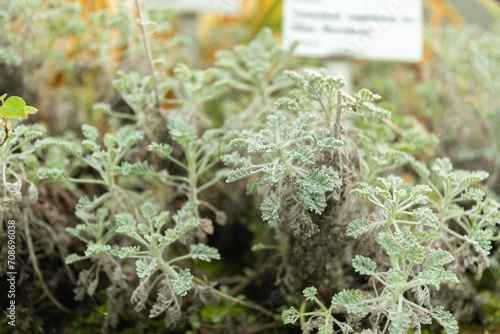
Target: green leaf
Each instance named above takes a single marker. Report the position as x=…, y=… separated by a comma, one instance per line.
x=204, y=253
x=72, y=258
x=362, y=190
x=52, y=173
x=163, y=149
x=273, y=173
x=438, y=258
x=129, y=251
x=310, y=292
x=325, y=328
x=474, y=194
x=184, y=218
x=148, y=212
x=91, y=145
x=269, y=208
x=445, y=319
x=182, y=132
x=98, y=250
x=421, y=169
x=329, y=144
x=427, y=217
x=357, y=227
x=31, y=110
x=286, y=103
x=304, y=121
x=350, y=300
x=238, y=174
x=389, y=244
x=145, y=269
x=169, y=237
x=400, y=320
x=14, y=106
x=442, y=167
x=481, y=240
x=364, y=265
x=416, y=254
x=138, y=169
x=182, y=284
x=128, y=136
x=90, y=132
x=276, y=121
x=290, y=316
x=364, y=95
x=303, y=153
x=396, y=279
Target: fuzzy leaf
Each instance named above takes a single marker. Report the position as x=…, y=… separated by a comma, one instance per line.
x=238, y=174
x=90, y=132
x=273, y=173
x=128, y=251
x=138, y=168
x=364, y=265
x=357, y=227
x=276, y=121
x=72, y=258
x=128, y=136
x=290, y=316
x=98, y=249
x=148, y=212
x=400, y=320
x=169, y=237
x=445, y=319
x=52, y=173
x=329, y=144
x=163, y=149
x=303, y=153
x=473, y=194
x=204, y=253
x=389, y=244
x=364, y=95
x=396, y=279
x=304, y=121
x=144, y=269
x=362, y=190
x=427, y=217
x=286, y=103
x=350, y=300
x=325, y=329
x=309, y=293
x=421, y=169
x=481, y=240
x=182, y=284
x=269, y=209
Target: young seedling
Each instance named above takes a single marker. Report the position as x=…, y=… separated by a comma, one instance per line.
x=11, y=110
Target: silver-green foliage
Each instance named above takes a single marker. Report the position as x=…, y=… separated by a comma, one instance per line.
x=412, y=264
x=106, y=159
x=319, y=92
x=479, y=223
x=153, y=237
x=284, y=151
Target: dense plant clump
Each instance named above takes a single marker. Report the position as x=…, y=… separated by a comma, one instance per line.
x=345, y=204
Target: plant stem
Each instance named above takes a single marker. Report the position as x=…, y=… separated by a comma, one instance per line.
x=149, y=54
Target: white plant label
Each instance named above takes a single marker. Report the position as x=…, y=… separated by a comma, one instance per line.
x=222, y=7
x=389, y=30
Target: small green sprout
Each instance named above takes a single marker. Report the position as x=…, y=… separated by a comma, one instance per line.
x=10, y=111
